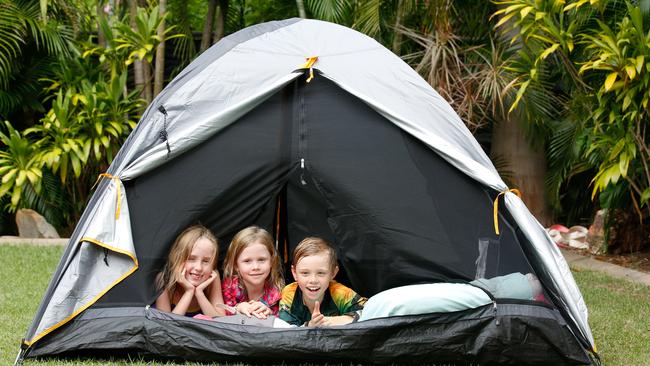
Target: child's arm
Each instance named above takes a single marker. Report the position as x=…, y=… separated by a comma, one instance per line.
x=208, y=306
x=319, y=320
x=338, y=320
x=188, y=294
x=163, y=303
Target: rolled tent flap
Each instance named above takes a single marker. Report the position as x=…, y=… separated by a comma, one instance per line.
x=104, y=256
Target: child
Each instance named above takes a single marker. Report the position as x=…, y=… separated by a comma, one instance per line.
x=315, y=299
x=252, y=274
x=189, y=282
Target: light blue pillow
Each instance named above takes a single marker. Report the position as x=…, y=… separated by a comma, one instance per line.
x=511, y=286
x=424, y=299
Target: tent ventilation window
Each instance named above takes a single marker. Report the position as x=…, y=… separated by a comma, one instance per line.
x=106, y=257
x=163, y=133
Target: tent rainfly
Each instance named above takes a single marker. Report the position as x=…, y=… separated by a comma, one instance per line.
x=309, y=128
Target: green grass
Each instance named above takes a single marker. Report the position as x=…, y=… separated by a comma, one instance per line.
x=619, y=310
x=619, y=316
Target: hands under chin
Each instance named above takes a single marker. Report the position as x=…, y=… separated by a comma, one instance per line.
x=203, y=285
x=185, y=283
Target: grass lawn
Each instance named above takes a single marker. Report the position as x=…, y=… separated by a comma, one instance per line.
x=619, y=310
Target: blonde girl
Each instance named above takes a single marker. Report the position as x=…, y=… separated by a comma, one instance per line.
x=189, y=283
x=252, y=274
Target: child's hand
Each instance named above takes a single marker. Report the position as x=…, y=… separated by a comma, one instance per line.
x=244, y=308
x=259, y=310
x=185, y=284
x=317, y=319
x=207, y=282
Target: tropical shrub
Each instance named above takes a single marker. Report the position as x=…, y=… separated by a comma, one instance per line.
x=601, y=48
x=52, y=165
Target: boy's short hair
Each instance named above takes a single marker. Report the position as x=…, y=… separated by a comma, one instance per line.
x=313, y=246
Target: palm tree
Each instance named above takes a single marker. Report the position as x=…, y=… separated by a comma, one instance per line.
x=31, y=41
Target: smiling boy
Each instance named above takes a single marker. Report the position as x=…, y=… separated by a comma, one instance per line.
x=315, y=299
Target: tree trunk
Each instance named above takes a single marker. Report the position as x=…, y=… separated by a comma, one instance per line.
x=221, y=21
x=138, y=70
x=159, y=71
x=101, y=39
x=397, y=35
x=528, y=165
x=301, y=9
x=146, y=71
x=206, y=37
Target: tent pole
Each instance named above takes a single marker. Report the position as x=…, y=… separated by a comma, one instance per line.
x=20, y=357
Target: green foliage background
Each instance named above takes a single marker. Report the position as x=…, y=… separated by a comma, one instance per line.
x=573, y=73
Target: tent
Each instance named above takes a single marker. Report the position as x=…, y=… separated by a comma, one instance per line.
x=309, y=128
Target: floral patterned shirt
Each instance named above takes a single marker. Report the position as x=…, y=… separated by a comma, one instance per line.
x=234, y=293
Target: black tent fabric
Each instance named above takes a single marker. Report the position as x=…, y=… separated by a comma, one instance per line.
x=397, y=215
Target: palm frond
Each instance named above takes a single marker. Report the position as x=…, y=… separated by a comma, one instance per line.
x=504, y=167
x=27, y=83
x=561, y=158
x=184, y=47
x=493, y=77
x=12, y=38
x=54, y=38
x=368, y=18
x=336, y=11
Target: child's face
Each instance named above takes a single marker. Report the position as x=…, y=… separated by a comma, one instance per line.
x=313, y=274
x=254, y=265
x=199, y=264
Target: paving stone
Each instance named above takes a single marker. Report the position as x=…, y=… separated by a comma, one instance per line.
x=579, y=261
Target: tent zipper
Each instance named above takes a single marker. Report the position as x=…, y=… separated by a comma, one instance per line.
x=302, y=133
x=302, y=170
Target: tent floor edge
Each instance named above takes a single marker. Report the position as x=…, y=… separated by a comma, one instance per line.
x=525, y=334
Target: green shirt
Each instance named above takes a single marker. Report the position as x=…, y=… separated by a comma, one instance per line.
x=339, y=300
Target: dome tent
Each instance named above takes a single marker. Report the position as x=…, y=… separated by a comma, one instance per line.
x=353, y=146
